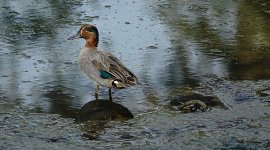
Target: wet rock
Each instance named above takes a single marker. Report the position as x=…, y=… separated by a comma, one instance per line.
x=103, y=110
x=193, y=106
x=194, y=102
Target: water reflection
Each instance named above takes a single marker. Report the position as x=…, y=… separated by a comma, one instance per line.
x=60, y=102
x=226, y=38
x=252, y=49
x=168, y=45
x=29, y=58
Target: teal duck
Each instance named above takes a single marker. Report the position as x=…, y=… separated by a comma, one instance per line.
x=101, y=66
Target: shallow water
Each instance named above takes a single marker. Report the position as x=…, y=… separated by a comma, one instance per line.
x=216, y=48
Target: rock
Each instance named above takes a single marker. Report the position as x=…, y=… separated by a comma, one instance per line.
x=196, y=102
x=103, y=110
x=193, y=106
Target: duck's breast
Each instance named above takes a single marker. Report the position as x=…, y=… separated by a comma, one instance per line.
x=85, y=62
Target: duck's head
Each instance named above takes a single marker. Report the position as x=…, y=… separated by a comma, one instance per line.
x=89, y=33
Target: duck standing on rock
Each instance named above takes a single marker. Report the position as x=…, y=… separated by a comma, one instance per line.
x=100, y=66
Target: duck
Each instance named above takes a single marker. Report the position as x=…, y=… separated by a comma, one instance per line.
x=100, y=66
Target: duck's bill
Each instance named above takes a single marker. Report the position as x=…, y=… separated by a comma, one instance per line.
x=77, y=36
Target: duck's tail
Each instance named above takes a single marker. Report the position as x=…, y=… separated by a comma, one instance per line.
x=117, y=84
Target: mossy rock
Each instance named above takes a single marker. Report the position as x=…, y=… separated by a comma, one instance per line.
x=103, y=110
x=193, y=102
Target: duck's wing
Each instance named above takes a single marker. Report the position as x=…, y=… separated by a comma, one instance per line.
x=111, y=67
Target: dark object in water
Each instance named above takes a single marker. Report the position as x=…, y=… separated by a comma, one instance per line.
x=193, y=106
x=196, y=102
x=103, y=110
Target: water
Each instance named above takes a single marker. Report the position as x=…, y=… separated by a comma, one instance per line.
x=218, y=48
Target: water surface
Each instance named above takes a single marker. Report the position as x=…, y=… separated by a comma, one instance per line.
x=218, y=48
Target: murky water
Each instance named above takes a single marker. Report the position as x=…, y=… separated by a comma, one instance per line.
x=218, y=48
